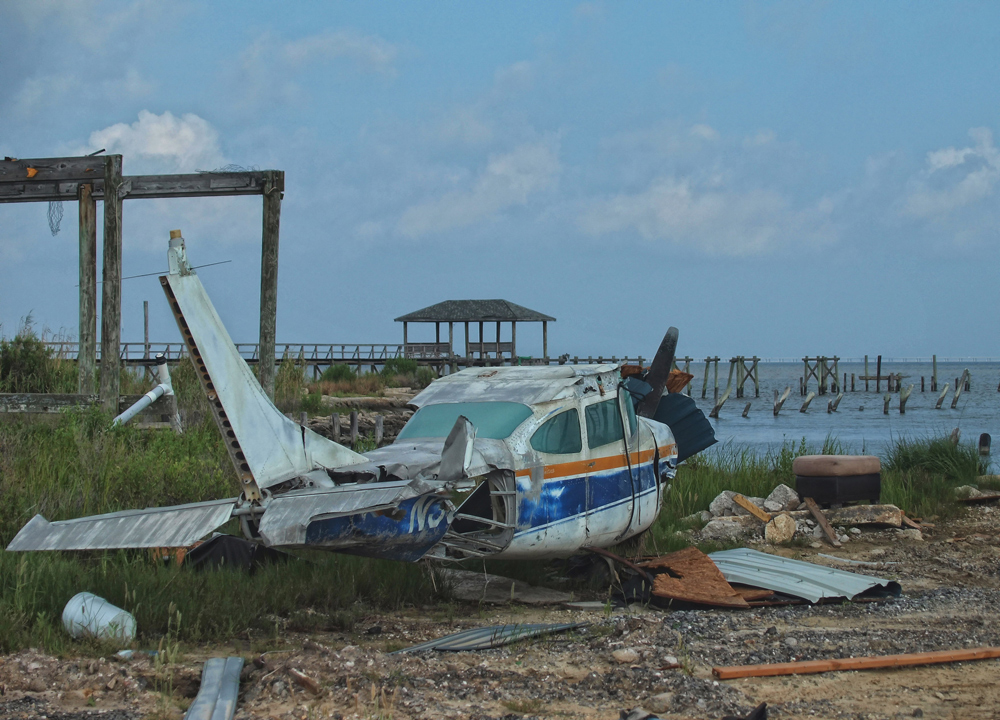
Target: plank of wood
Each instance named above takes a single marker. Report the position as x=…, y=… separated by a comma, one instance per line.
x=821, y=519
x=49, y=170
x=752, y=508
x=87, y=358
x=269, y=279
x=141, y=186
x=807, y=667
x=111, y=290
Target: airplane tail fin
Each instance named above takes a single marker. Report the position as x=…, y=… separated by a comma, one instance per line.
x=265, y=446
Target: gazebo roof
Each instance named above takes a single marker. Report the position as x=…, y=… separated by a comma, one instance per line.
x=475, y=311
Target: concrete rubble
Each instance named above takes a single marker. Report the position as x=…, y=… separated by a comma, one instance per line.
x=726, y=521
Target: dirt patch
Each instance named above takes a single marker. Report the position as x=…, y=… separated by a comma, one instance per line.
x=951, y=600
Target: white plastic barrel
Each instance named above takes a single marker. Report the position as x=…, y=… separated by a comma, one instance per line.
x=87, y=614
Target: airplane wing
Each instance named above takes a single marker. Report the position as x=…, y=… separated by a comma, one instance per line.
x=177, y=526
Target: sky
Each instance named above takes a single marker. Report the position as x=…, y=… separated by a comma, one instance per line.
x=779, y=179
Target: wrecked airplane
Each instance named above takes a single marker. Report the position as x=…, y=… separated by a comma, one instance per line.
x=512, y=462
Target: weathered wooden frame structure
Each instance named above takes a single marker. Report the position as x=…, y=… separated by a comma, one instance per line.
x=92, y=178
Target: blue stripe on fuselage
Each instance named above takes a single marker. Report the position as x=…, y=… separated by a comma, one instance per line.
x=567, y=498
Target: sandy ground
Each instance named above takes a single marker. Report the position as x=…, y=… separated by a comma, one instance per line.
x=951, y=600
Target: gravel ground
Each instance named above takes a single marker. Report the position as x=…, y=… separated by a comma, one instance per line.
x=951, y=600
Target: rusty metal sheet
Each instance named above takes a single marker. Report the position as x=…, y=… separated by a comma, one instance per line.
x=177, y=526
x=690, y=576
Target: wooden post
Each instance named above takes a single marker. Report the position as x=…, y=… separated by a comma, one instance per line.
x=273, y=187
x=715, y=397
x=704, y=385
x=778, y=402
x=354, y=427
x=933, y=373
x=513, y=342
x=921, y=383
x=959, y=387
x=885, y=403
x=852, y=382
x=437, y=332
x=904, y=395
x=87, y=357
x=756, y=377
x=545, y=340
x=482, y=343
x=878, y=374
x=498, y=344
x=944, y=391
x=111, y=295
x=746, y=410
x=866, y=373
x=379, y=429
x=304, y=419
x=405, y=338
x=468, y=348
x=809, y=399
x=335, y=426
x=451, y=338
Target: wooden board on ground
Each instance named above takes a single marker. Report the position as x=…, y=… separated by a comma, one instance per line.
x=821, y=519
x=752, y=508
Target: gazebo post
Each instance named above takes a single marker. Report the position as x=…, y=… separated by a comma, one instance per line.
x=404, y=338
x=482, y=346
x=468, y=348
x=499, y=356
x=513, y=341
x=545, y=341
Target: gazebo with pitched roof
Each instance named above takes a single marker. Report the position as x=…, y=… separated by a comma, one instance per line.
x=473, y=311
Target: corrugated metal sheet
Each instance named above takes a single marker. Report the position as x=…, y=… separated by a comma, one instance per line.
x=492, y=637
x=794, y=577
x=220, y=686
x=288, y=516
x=177, y=526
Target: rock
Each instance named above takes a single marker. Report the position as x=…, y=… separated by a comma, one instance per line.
x=815, y=545
x=772, y=507
x=910, y=534
x=780, y=530
x=877, y=552
x=670, y=660
x=36, y=685
x=661, y=703
x=791, y=642
x=855, y=531
x=705, y=516
x=844, y=538
x=784, y=496
x=967, y=492
x=723, y=504
x=625, y=656
x=732, y=528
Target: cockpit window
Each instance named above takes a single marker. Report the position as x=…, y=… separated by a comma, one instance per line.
x=495, y=420
x=559, y=435
x=604, y=423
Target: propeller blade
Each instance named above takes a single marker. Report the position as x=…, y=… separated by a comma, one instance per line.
x=659, y=371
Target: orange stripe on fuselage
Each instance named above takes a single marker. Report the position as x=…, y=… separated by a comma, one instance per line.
x=600, y=464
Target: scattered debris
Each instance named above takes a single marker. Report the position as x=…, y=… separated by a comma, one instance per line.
x=758, y=713
x=220, y=685
x=625, y=656
x=493, y=636
x=780, y=530
x=752, y=508
x=304, y=681
x=498, y=590
x=971, y=495
x=871, y=662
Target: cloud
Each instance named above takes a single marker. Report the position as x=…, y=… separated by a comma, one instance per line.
x=164, y=142
x=955, y=178
x=369, y=52
x=716, y=220
x=508, y=180
x=270, y=67
x=93, y=25
x=41, y=92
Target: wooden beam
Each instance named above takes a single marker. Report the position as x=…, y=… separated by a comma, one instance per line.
x=47, y=403
x=48, y=170
x=822, y=521
x=806, y=667
x=269, y=278
x=545, y=339
x=111, y=298
x=44, y=188
x=751, y=507
x=87, y=357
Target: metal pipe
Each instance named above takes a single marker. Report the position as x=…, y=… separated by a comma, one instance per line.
x=163, y=388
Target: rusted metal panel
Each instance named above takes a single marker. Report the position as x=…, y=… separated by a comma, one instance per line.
x=690, y=576
x=177, y=526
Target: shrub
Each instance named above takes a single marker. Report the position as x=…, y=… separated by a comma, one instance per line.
x=424, y=377
x=27, y=365
x=399, y=366
x=338, y=373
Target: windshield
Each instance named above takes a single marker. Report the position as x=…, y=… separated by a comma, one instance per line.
x=492, y=419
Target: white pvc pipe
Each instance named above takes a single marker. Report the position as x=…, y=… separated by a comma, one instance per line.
x=144, y=402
